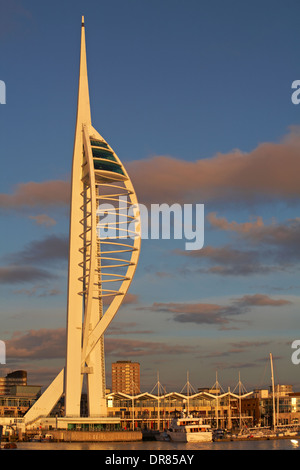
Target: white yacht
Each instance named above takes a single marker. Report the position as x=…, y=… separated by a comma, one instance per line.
x=189, y=429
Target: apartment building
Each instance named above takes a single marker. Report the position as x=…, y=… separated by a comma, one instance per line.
x=126, y=377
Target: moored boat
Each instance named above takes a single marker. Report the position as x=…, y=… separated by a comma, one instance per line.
x=189, y=429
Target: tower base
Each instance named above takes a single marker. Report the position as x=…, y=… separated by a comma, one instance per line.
x=96, y=423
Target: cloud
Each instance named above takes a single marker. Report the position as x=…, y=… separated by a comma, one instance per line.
x=23, y=265
x=258, y=248
x=12, y=18
x=277, y=241
x=200, y=313
x=13, y=274
x=32, y=194
x=283, y=233
x=137, y=348
x=50, y=344
x=268, y=172
x=229, y=261
x=42, y=375
x=242, y=346
x=130, y=299
x=243, y=228
x=128, y=328
x=215, y=314
x=282, y=238
x=51, y=248
x=37, y=344
x=262, y=300
x=39, y=291
x=43, y=219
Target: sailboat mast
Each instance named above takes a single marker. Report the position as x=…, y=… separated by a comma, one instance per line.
x=188, y=392
x=273, y=391
x=158, y=408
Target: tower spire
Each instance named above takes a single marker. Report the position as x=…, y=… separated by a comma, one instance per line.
x=83, y=103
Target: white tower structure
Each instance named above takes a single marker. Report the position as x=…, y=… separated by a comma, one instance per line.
x=103, y=255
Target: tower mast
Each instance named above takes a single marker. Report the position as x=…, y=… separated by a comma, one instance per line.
x=73, y=379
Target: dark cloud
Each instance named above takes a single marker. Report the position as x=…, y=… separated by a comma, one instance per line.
x=39, y=291
x=37, y=344
x=19, y=274
x=51, y=248
x=138, y=348
x=242, y=346
x=129, y=328
x=269, y=248
x=215, y=314
x=50, y=344
x=279, y=240
x=28, y=264
x=229, y=261
x=199, y=313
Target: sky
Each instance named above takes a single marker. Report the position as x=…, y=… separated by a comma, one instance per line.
x=195, y=99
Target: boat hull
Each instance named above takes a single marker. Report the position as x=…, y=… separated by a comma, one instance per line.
x=190, y=437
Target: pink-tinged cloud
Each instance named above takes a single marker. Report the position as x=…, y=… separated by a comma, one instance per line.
x=43, y=219
x=37, y=344
x=128, y=299
x=222, y=223
x=50, y=344
x=32, y=194
x=274, y=233
x=279, y=241
x=269, y=171
x=262, y=300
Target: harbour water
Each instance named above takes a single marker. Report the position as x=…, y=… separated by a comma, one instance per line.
x=156, y=446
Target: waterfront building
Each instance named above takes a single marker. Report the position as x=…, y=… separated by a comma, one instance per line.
x=18, y=403
x=155, y=411
x=18, y=377
x=283, y=410
x=227, y=410
x=17, y=396
x=125, y=377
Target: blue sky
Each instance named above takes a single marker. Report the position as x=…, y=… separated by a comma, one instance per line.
x=195, y=98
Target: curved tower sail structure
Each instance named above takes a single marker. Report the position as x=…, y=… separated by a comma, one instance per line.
x=103, y=254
